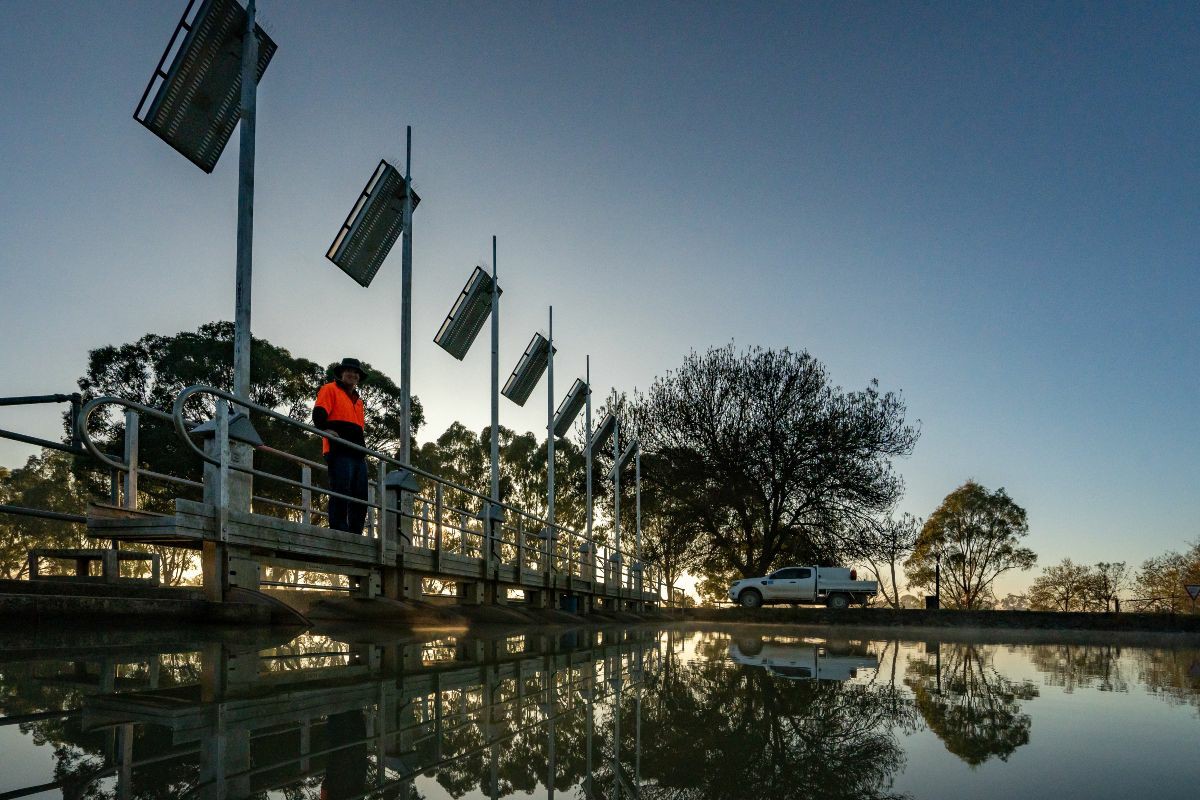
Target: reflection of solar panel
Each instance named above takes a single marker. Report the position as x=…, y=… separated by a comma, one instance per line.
x=528, y=371
x=467, y=316
x=603, y=432
x=569, y=408
x=374, y=224
x=196, y=102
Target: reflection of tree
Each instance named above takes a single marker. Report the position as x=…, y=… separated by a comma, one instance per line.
x=752, y=734
x=1173, y=675
x=968, y=704
x=82, y=757
x=1074, y=666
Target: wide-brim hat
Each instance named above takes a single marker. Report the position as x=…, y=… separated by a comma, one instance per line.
x=349, y=363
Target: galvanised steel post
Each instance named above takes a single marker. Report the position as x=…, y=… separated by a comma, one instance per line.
x=551, y=531
x=637, y=482
x=587, y=460
x=617, y=494
x=245, y=221
x=495, y=381
x=406, y=311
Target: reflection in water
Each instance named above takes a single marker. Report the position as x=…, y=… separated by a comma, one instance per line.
x=765, y=735
x=971, y=707
x=603, y=714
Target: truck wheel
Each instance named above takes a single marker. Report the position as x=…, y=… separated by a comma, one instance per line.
x=750, y=598
x=838, y=602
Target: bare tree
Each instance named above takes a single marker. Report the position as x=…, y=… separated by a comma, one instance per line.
x=1108, y=580
x=883, y=544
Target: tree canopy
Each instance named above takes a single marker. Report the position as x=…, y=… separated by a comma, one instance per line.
x=977, y=535
x=768, y=457
x=155, y=368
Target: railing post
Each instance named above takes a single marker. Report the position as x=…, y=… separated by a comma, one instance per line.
x=224, y=457
x=131, y=459
x=306, y=494
x=381, y=527
x=437, y=526
x=372, y=507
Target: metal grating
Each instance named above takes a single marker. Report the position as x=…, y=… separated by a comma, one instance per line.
x=373, y=225
x=467, y=315
x=570, y=407
x=528, y=371
x=196, y=102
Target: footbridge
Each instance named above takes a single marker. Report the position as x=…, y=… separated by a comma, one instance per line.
x=420, y=527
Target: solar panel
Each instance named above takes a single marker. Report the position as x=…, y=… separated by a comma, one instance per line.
x=528, y=371
x=467, y=315
x=603, y=433
x=195, y=103
x=373, y=225
x=569, y=408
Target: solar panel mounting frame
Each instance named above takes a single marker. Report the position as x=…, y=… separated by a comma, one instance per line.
x=173, y=110
x=468, y=314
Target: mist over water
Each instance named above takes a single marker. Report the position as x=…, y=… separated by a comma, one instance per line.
x=601, y=713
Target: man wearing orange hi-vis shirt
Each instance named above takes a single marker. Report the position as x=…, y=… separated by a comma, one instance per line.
x=339, y=411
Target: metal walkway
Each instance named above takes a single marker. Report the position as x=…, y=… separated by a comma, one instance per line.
x=419, y=525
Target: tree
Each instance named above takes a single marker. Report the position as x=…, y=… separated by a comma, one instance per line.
x=1161, y=580
x=1062, y=587
x=768, y=458
x=885, y=543
x=1108, y=580
x=155, y=369
x=45, y=482
x=976, y=534
x=1013, y=602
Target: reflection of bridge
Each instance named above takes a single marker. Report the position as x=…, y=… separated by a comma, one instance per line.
x=370, y=717
x=244, y=518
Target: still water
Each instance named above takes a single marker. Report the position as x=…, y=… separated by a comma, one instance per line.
x=596, y=713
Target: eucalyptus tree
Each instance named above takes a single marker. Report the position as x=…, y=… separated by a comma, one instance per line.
x=768, y=457
x=976, y=536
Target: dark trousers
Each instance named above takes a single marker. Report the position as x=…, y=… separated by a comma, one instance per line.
x=347, y=475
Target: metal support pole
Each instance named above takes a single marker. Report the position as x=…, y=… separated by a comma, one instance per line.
x=587, y=459
x=406, y=311
x=245, y=221
x=617, y=495
x=637, y=553
x=495, y=380
x=131, y=459
x=551, y=530
x=937, y=580
x=492, y=516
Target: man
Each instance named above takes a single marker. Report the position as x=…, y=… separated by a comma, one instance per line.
x=339, y=410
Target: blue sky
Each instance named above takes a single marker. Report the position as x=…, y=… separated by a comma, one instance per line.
x=989, y=208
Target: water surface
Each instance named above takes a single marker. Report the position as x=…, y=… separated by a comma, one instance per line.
x=596, y=713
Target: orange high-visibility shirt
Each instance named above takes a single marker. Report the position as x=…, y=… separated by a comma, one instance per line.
x=341, y=408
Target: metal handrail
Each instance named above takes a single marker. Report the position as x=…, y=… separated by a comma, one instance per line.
x=181, y=428
x=529, y=545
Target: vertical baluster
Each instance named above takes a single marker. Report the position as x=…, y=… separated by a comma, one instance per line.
x=306, y=494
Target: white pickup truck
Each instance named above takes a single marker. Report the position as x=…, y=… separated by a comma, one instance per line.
x=834, y=587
